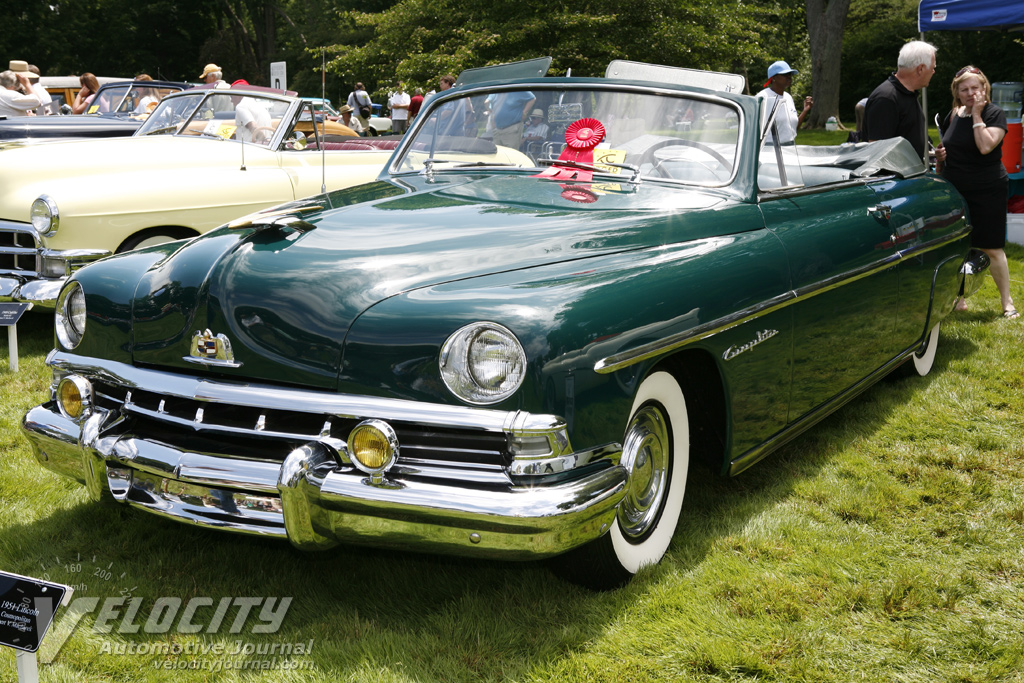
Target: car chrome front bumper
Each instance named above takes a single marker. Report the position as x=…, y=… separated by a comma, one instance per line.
x=312, y=498
x=41, y=293
x=31, y=287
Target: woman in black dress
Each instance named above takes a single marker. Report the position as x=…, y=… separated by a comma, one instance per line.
x=970, y=157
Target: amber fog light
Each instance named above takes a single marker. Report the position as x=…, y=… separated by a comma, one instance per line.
x=373, y=447
x=74, y=397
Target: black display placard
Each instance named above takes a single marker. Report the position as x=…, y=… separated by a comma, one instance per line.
x=11, y=313
x=27, y=607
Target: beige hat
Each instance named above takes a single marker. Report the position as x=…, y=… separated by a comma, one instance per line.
x=345, y=109
x=20, y=67
x=537, y=112
x=210, y=68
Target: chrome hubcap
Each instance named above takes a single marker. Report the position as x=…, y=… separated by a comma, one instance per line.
x=645, y=455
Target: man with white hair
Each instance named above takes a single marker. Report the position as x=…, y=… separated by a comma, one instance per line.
x=13, y=102
x=892, y=109
x=213, y=74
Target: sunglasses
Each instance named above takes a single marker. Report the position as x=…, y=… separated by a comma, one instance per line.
x=968, y=70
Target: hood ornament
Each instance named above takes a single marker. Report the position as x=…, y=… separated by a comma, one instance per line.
x=210, y=349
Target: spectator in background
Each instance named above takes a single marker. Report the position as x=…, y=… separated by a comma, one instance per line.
x=147, y=103
x=362, y=105
x=970, y=157
x=351, y=121
x=415, y=102
x=399, y=103
x=252, y=120
x=509, y=113
x=13, y=102
x=445, y=83
x=858, y=113
x=45, y=101
x=536, y=130
x=892, y=109
x=87, y=93
x=787, y=121
x=214, y=74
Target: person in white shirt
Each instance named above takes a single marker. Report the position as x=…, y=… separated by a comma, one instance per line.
x=399, y=106
x=780, y=78
x=349, y=120
x=536, y=130
x=252, y=120
x=12, y=102
x=46, y=102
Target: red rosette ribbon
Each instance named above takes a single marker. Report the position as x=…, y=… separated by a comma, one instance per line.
x=581, y=137
x=578, y=194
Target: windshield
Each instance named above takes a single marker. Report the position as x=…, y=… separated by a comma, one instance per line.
x=129, y=99
x=686, y=138
x=220, y=114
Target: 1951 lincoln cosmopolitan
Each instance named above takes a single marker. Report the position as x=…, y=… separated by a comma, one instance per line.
x=509, y=350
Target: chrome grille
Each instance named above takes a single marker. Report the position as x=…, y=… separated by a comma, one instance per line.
x=18, y=249
x=271, y=434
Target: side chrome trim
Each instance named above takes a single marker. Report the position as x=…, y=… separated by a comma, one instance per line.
x=624, y=359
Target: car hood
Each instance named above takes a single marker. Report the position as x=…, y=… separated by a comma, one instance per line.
x=285, y=299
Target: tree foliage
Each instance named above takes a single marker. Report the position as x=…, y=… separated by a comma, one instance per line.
x=382, y=42
x=416, y=41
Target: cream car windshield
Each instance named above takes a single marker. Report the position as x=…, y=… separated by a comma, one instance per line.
x=130, y=99
x=224, y=115
x=687, y=139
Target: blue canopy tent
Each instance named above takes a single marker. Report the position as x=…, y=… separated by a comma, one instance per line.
x=970, y=15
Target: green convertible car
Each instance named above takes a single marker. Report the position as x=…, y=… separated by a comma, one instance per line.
x=516, y=341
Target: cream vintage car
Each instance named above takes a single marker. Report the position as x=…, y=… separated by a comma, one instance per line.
x=203, y=158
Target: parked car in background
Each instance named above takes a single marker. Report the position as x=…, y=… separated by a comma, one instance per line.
x=379, y=124
x=508, y=355
x=118, y=110
x=323, y=106
x=184, y=172
x=63, y=89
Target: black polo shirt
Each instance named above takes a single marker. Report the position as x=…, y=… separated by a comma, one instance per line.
x=893, y=111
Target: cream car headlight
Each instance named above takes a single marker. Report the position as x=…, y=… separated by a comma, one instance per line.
x=44, y=215
x=483, y=363
x=69, y=319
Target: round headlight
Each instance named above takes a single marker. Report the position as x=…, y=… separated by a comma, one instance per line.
x=44, y=215
x=483, y=363
x=69, y=318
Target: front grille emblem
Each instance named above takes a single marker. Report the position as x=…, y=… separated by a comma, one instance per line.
x=210, y=349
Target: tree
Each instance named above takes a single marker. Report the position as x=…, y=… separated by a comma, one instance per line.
x=416, y=41
x=825, y=20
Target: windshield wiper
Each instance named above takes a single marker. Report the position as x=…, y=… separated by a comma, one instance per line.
x=428, y=164
x=635, y=178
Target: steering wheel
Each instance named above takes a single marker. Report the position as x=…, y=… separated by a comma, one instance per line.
x=649, y=158
x=268, y=132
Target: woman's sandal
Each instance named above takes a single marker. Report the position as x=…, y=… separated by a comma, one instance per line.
x=1011, y=313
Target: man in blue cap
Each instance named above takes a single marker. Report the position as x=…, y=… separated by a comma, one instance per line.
x=780, y=78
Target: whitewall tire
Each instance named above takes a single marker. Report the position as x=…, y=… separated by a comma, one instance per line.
x=656, y=455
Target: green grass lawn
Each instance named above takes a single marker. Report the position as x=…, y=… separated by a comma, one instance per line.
x=886, y=544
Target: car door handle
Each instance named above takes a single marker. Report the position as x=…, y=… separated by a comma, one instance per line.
x=881, y=212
